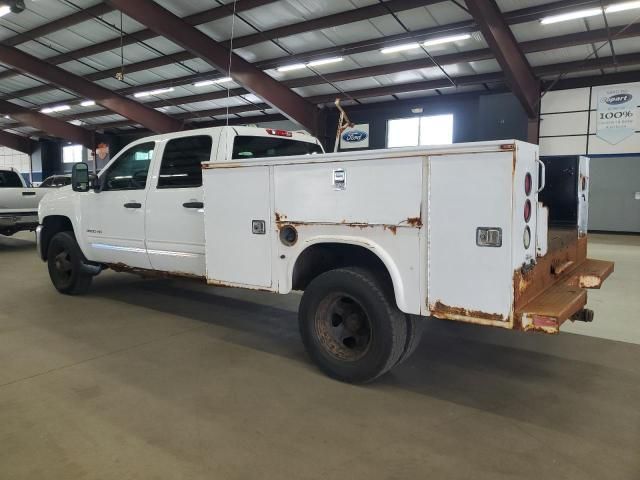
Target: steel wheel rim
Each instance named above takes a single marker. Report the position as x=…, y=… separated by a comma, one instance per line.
x=343, y=327
x=63, y=264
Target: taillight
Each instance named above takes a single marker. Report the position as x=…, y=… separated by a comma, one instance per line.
x=279, y=133
x=527, y=238
x=528, y=184
x=527, y=210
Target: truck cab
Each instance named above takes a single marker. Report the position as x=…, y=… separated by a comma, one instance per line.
x=18, y=203
x=146, y=208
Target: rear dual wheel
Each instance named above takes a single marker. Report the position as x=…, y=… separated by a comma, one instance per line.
x=351, y=326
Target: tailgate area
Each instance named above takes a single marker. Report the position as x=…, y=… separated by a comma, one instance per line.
x=554, y=290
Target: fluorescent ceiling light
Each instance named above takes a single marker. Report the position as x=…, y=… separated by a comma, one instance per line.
x=400, y=48
x=295, y=66
x=153, y=92
x=563, y=17
x=449, y=39
x=324, y=61
x=4, y=9
x=204, y=83
x=621, y=7
x=88, y=103
x=57, y=108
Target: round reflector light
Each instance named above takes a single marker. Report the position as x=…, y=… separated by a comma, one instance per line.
x=528, y=183
x=527, y=211
x=527, y=238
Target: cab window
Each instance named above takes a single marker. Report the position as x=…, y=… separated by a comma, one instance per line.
x=247, y=147
x=47, y=183
x=182, y=161
x=130, y=170
x=9, y=179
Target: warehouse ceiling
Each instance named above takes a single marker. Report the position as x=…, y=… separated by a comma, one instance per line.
x=353, y=49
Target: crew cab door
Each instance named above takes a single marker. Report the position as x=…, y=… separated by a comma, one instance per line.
x=113, y=219
x=175, y=209
x=14, y=196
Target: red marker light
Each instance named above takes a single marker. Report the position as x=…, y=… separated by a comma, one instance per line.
x=528, y=184
x=527, y=211
x=279, y=133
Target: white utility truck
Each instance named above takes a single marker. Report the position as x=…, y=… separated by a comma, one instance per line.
x=376, y=239
x=18, y=203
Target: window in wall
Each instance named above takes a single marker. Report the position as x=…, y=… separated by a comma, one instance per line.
x=182, y=162
x=72, y=154
x=411, y=132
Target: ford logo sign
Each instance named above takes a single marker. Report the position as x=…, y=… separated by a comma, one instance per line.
x=618, y=99
x=354, y=136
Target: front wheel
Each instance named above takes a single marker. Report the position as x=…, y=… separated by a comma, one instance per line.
x=65, y=261
x=350, y=327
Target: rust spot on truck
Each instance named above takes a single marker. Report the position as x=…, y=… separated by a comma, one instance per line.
x=414, y=222
x=440, y=310
x=147, y=273
x=280, y=217
x=392, y=228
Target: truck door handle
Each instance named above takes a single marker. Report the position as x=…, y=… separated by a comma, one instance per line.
x=28, y=194
x=133, y=205
x=193, y=205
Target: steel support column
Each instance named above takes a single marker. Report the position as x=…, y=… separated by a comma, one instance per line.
x=518, y=72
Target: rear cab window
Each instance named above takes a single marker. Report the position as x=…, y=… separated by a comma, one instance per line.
x=248, y=147
x=182, y=159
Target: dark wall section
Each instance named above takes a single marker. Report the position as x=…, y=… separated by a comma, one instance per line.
x=477, y=117
x=46, y=159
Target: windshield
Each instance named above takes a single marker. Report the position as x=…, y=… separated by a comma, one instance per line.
x=248, y=147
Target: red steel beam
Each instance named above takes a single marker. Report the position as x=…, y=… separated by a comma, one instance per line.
x=165, y=23
x=150, y=118
x=59, y=24
x=50, y=125
x=17, y=142
x=209, y=15
x=496, y=32
x=329, y=21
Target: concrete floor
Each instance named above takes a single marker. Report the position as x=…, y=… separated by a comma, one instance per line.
x=155, y=379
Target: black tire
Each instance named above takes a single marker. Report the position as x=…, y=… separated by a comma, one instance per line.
x=65, y=259
x=351, y=329
x=415, y=329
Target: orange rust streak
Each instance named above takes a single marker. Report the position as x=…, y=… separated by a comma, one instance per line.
x=414, y=221
x=440, y=310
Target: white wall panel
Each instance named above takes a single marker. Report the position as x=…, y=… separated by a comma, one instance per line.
x=598, y=146
x=563, y=124
x=572, y=117
x=565, y=100
x=12, y=158
x=552, y=146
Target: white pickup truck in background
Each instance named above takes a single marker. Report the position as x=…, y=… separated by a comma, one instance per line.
x=377, y=240
x=18, y=203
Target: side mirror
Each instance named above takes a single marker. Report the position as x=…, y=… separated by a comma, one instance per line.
x=80, y=177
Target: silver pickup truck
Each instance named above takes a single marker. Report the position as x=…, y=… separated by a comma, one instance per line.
x=18, y=203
